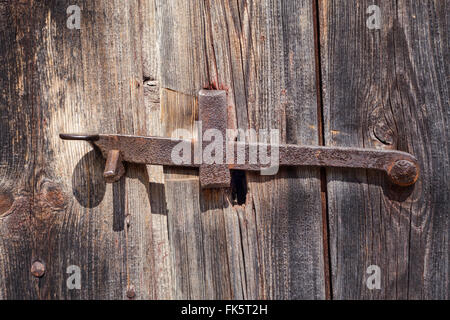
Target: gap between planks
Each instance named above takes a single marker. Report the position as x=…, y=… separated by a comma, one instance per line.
x=321, y=137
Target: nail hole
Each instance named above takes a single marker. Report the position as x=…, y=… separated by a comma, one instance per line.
x=238, y=187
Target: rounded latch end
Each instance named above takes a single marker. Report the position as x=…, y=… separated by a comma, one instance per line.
x=404, y=173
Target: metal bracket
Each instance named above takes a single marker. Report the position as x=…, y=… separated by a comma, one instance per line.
x=402, y=168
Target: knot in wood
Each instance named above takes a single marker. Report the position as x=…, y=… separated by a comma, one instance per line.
x=38, y=269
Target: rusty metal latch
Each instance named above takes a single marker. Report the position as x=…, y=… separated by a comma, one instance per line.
x=402, y=168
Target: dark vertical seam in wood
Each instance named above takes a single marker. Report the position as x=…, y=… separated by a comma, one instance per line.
x=230, y=286
x=404, y=117
x=203, y=253
x=212, y=84
x=383, y=243
x=188, y=276
x=244, y=289
x=126, y=215
x=126, y=228
x=395, y=71
x=231, y=85
x=241, y=239
x=321, y=137
x=261, y=290
x=243, y=70
x=409, y=252
x=226, y=241
x=208, y=73
x=141, y=44
x=218, y=86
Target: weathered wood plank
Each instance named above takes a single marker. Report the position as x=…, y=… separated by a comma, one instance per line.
x=281, y=94
x=16, y=157
x=162, y=270
x=181, y=191
x=261, y=52
x=55, y=79
x=388, y=89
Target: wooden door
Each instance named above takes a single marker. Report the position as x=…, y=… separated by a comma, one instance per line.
x=311, y=69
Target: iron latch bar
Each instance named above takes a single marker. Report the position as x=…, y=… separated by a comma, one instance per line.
x=402, y=168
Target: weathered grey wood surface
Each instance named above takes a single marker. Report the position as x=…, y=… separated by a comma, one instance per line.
x=129, y=66
x=54, y=79
x=261, y=53
x=136, y=66
x=388, y=89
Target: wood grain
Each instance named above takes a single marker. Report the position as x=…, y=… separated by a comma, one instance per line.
x=59, y=80
x=159, y=223
x=279, y=73
x=135, y=67
x=388, y=89
x=261, y=53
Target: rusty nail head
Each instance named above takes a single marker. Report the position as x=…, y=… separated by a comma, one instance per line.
x=37, y=269
x=131, y=293
x=403, y=173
